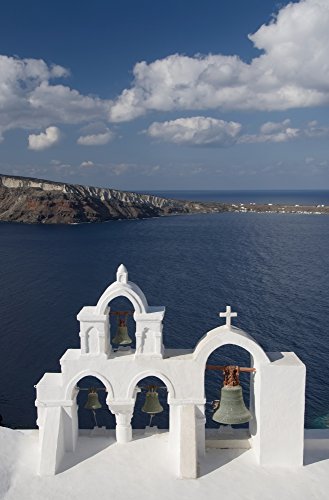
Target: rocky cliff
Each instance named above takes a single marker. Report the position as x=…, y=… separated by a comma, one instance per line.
x=24, y=199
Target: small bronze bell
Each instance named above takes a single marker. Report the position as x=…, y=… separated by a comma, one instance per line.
x=152, y=404
x=122, y=337
x=92, y=401
x=232, y=409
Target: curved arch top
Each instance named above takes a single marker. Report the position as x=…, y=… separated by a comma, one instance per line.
x=69, y=392
x=150, y=373
x=222, y=336
x=129, y=290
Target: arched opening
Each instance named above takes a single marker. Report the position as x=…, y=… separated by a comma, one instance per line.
x=228, y=355
x=143, y=420
x=122, y=325
x=91, y=417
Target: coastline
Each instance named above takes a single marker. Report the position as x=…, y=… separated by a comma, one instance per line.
x=38, y=201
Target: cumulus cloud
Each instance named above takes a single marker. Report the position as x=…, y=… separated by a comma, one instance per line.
x=283, y=132
x=274, y=127
x=29, y=99
x=96, y=139
x=197, y=131
x=288, y=74
x=206, y=131
x=273, y=132
x=46, y=139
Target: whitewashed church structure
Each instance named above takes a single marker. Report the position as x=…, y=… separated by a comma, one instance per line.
x=277, y=388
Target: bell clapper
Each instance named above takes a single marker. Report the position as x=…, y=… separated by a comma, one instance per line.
x=215, y=404
x=94, y=413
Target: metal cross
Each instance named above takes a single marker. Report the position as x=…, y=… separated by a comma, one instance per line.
x=228, y=315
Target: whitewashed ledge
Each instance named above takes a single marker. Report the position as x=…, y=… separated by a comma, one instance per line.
x=100, y=468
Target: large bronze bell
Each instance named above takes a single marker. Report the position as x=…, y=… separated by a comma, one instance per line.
x=92, y=401
x=122, y=337
x=152, y=404
x=232, y=409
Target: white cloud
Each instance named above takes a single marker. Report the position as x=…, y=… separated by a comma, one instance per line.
x=271, y=127
x=197, y=131
x=87, y=164
x=290, y=73
x=315, y=130
x=273, y=132
x=119, y=169
x=206, y=131
x=29, y=99
x=283, y=132
x=45, y=140
x=96, y=139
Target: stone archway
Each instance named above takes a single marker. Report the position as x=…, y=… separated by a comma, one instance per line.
x=123, y=288
x=165, y=381
x=218, y=437
x=94, y=320
x=71, y=423
x=70, y=392
x=150, y=373
x=228, y=335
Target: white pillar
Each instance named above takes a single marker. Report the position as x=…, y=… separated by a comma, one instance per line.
x=94, y=332
x=52, y=445
x=280, y=408
x=187, y=443
x=123, y=427
x=149, y=333
x=123, y=414
x=183, y=438
x=200, y=430
x=70, y=425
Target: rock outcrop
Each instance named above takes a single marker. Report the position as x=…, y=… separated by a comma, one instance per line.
x=28, y=200
x=23, y=199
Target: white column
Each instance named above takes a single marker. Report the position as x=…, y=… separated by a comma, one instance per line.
x=70, y=425
x=123, y=414
x=123, y=427
x=52, y=446
x=187, y=443
x=183, y=438
x=200, y=430
x=94, y=332
x=149, y=333
x=281, y=404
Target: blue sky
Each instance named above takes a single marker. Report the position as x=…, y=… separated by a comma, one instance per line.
x=166, y=94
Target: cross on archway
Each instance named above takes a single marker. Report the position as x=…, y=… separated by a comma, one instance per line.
x=228, y=314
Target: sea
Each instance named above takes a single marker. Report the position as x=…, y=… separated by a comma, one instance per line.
x=273, y=269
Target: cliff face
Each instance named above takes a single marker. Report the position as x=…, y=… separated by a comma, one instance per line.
x=23, y=199
x=30, y=200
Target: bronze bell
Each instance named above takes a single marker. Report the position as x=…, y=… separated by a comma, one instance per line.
x=232, y=409
x=92, y=401
x=152, y=404
x=122, y=337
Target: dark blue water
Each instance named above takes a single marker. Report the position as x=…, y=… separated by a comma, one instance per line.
x=301, y=197
x=273, y=269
